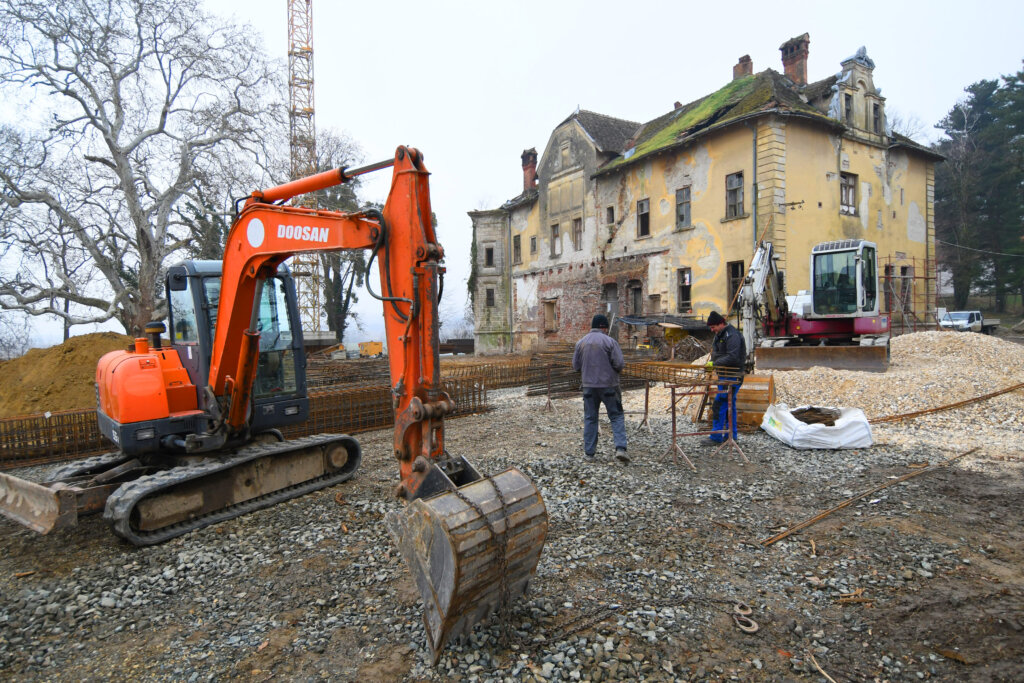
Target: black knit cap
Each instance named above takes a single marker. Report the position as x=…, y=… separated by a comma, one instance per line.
x=715, y=318
x=599, y=321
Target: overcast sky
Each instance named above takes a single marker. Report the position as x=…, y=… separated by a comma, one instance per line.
x=473, y=84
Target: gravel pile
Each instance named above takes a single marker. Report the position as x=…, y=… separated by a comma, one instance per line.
x=639, y=577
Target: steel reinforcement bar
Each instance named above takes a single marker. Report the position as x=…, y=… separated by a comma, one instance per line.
x=68, y=435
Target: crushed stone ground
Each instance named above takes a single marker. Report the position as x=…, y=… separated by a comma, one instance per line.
x=921, y=581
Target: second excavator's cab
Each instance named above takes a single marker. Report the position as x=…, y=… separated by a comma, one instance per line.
x=279, y=392
x=844, y=280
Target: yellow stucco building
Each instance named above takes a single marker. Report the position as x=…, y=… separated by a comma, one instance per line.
x=659, y=220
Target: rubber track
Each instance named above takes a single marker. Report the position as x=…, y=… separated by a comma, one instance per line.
x=99, y=463
x=122, y=502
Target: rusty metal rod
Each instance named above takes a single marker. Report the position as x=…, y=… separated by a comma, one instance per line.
x=951, y=406
x=817, y=518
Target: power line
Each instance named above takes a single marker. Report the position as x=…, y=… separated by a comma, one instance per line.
x=980, y=251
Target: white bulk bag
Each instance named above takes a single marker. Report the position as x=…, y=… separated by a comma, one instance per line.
x=850, y=431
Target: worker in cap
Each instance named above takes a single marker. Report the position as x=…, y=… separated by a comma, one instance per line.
x=598, y=358
x=728, y=357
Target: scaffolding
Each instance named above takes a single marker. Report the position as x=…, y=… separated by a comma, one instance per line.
x=909, y=293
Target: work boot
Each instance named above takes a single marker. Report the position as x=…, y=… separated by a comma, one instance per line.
x=588, y=456
x=708, y=441
x=620, y=454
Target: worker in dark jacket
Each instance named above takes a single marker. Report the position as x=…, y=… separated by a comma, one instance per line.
x=729, y=356
x=598, y=357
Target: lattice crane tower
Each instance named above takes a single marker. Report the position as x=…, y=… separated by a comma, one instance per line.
x=302, y=141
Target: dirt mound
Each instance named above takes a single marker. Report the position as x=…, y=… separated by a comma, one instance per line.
x=58, y=378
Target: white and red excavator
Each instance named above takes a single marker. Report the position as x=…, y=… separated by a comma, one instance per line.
x=835, y=324
x=196, y=422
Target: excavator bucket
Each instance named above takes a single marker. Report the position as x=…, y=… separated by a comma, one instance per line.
x=866, y=358
x=471, y=550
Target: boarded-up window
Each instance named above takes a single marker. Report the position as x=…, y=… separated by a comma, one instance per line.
x=682, y=208
x=876, y=118
x=643, y=218
x=577, y=193
x=564, y=155
x=734, y=195
x=636, y=300
x=517, y=249
x=550, y=316
x=577, y=233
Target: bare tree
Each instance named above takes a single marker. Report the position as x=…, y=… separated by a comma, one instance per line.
x=14, y=334
x=137, y=104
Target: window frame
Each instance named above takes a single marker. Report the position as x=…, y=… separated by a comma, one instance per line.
x=489, y=297
x=734, y=196
x=577, y=233
x=550, y=321
x=488, y=257
x=847, y=194
x=684, y=281
x=609, y=215
x=876, y=117
x=533, y=244
x=643, y=218
x=517, y=249
x=734, y=274
x=848, y=109
x=556, y=240
x=683, y=201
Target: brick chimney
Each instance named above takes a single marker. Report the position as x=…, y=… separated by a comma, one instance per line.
x=744, y=67
x=794, y=58
x=529, y=168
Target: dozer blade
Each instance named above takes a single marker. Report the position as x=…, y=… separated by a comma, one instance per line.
x=866, y=358
x=40, y=508
x=468, y=553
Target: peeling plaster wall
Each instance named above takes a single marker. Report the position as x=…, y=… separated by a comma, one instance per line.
x=814, y=162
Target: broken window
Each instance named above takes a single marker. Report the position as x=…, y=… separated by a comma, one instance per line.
x=533, y=244
x=577, y=234
x=517, y=249
x=490, y=298
x=643, y=218
x=848, y=194
x=848, y=108
x=556, y=242
x=683, y=207
x=734, y=195
x=876, y=118
x=609, y=215
x=550, y=316
x=489, y=257
x=684, y=302
x=736, y=273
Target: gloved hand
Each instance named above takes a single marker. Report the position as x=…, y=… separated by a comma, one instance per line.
x=709, y=365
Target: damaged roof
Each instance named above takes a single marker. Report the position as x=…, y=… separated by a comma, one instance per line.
x=768, y=91
x=608, y=133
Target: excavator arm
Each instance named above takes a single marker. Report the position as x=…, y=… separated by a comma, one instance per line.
x=472, y=542
x=408, y=255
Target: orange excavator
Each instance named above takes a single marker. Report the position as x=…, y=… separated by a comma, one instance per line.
x=197, y=421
